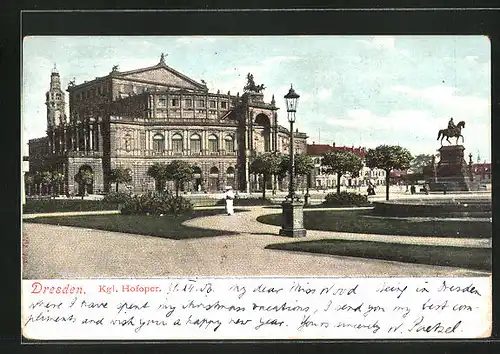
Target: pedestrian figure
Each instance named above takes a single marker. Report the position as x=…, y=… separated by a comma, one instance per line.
x=229, y=197
x=412, y=189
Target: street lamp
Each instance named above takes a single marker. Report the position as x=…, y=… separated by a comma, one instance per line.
x=292, y=223
x=292, y=100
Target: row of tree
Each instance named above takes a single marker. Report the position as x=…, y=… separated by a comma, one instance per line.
x=45, y=182
x=337, y=162
x=267, y=165
x=51, y=182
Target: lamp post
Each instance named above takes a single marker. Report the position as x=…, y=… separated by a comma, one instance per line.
x=292, y=223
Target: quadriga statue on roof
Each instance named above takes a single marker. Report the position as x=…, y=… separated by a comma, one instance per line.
x=251, y=86
x=453, y=131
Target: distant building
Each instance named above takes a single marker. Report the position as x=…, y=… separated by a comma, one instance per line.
x=322, y=180
x=135, y=118
x=482, y=172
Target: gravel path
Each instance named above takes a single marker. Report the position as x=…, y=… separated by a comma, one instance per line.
x=51, y=251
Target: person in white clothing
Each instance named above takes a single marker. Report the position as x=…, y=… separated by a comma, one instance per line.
x=229, y=197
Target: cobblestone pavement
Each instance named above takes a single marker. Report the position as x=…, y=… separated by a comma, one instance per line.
x=66, y=252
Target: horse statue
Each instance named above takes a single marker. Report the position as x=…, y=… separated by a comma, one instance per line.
x=452, y=133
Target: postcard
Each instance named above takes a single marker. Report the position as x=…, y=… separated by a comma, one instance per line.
x=256, y=187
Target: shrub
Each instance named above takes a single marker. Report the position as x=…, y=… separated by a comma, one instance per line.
x=345, y=199
x=155, y=203
x=117, y=197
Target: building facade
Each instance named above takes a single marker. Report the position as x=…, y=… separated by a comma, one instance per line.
x=481, y=172
x=322, y=180
x=136, y=118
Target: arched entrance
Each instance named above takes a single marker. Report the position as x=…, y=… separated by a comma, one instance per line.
x=85, y=180
x=264, y=132
x=230, y=180
x=213, y=179
x=197, y=179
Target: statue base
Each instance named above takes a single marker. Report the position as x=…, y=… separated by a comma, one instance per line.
x=292, y=223
x=452, y=172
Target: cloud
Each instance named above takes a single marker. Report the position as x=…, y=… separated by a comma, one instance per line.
x=381, y=42
x=400, y=120
x=449, y=100
x=324, y=93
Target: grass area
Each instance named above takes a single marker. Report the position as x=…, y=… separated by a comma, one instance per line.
x=54, y=205
x=168, y=226
x=472, y=258
x=359, y=221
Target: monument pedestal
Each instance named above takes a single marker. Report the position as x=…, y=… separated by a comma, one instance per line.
x=292, y=223
x=452, y=172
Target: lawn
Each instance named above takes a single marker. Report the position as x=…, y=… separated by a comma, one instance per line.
x=55, y=205
x=359, y=221
x=168, y=226
x=472, y=258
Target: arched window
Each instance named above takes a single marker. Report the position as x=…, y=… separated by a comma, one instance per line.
x=158, y=143
x=195, y=143
x=177, y=145
x=263, y=121
x=229, y=143
x=213, y=143
x=196, y=172
x=214, y=171
x=230, y=171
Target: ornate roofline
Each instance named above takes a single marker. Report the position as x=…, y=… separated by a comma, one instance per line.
x=121, y=74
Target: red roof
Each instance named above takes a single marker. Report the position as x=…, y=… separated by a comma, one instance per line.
x=320, y=149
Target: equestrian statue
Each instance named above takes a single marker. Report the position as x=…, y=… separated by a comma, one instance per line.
x=453, y=131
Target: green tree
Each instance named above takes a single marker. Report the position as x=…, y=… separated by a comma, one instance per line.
x=179, y=172
x=120, y=175
x=29, y=180
x=56, y=180
x=84, y=178
x=265, y=165
x=46, y=181
x=37, y=179
x=420, y=162
x=304, y=165
x=158, y=172
x=388, y=158
x=341, y=163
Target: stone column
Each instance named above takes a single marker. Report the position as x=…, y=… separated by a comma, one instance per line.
x=91, y=138
x=204, y=142
x=169, y=142
x=53, y=141
x=165, y=142
x=85, y=137
x=65, y=138
x=72, y=137
x=221, y=146
x=99, y=137
x=184, y=142
x=181, y=105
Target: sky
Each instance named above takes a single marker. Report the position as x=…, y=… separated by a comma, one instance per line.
x=354, y=90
